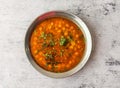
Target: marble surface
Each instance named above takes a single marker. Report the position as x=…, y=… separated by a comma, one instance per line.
x=101, y=71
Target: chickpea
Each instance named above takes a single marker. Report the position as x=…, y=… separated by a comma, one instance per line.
x=35, y=51
x=49, y=27
x=49, y=66
x=40, y=59
x=63, y=28
x=40, y=28
x=75, y=49
x=59, y=31
x=71, y=47
x=71, y=27
x=79, y=47
x=63, y=65
x=58, y=66
x=43, y=62
x=76, y=35
x=70, y=62
x=34, y=47
x=36, y=56
x=66, y=33
x=73, y=43
x=62, y=22
x=68, y=66
x=56, y=28
x=67, y=25
x=73, y=61
x=34, y=43
x=65, y=58
x=51, y=23
x=40, y=53
x=76, y=53
x=59, y=25
x=61, y=60
x=73, y=31
x=74, y=56
x=78, y=41
x=35, y=38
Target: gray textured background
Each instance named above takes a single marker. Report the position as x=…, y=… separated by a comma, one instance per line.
x=103, y=20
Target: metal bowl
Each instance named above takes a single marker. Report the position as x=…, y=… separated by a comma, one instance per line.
x=79, y=23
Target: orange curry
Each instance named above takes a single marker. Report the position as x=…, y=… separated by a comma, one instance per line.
x=57, y=44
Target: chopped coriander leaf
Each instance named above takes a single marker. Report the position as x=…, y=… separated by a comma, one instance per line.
x=48, y=63
x=70, y=38
x=56, y=63
x=49, y=56
x=81, y=36
x=61, y=52
x=44, y=44
x=50, y=35
x=53, y=67
x=37, y=51
x=43, y=35
x=54, y=51
x=63, y=41
x=35, y=31
x=52, y=43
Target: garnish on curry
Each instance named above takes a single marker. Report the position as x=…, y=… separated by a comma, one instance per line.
x=57, y=44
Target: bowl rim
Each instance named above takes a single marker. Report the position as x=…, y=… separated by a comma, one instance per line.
x=83, y=28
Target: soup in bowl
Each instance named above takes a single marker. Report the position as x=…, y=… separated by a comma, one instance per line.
x=58, y=44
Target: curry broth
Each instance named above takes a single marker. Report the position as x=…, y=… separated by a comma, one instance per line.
x=57, y=44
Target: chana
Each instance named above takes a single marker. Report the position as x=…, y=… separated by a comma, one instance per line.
x=34, y=43
x=63, y=28
x=72, y=27
x=40, y=59
x=77, y=36
x=59, y=25
x=66, y=33
x=35, y=51
x=70, y=62
x=59, y=31
x=67, y=25
x=40, y=28
x=51, y=23
x=71, y=47
x=76, y=53
x=35, y=38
